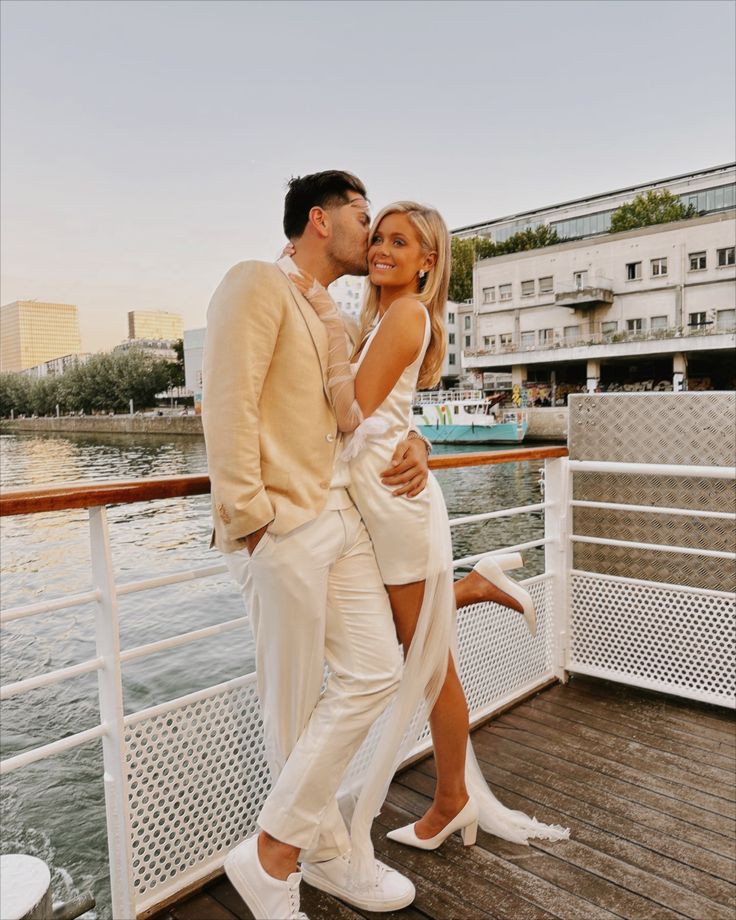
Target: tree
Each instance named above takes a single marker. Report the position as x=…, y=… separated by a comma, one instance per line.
x=15, y=394
x=176, y=368
x=465, y=253
x=654, y=207
x=105, y=383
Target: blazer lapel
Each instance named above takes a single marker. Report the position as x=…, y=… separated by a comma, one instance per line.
x=313, y=322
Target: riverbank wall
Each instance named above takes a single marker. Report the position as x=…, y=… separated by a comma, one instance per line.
x=108, y=424
x=544, y=425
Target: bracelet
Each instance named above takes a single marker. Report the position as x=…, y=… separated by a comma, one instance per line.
x=413, y=433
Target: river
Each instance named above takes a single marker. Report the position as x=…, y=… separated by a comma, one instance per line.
x=55, y=809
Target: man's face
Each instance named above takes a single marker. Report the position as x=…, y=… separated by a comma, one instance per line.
x=349, y=240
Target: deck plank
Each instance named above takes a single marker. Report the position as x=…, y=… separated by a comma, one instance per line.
x=720, y=764
x=672, y=735
x=645, y=782
x=591, y=769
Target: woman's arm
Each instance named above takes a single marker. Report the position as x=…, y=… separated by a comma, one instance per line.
x=396, y=344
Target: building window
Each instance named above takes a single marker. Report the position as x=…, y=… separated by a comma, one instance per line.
x=633, y=271
x=528, y=340
x=545, y=285
x=726, y=319
x=571, y=334
x=451, y=318
x=487, y=341
x=506, y=338
x=451, y=358
x=659, y=322
x=467, y=341
x=609, y=328
x=634, y=325
x=504, y=292
x=696, y=319
x=726, y=256
x=659, y=267
x=580, y=280
x=697, y=261
x=489, y=294
x=546, y=336
x=467, y=322
x=451, y=338
x=527, y=288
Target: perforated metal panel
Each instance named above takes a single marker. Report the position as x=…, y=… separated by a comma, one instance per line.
x=197, y=778
x=627, y=621
x=669, y=639
x=197, y=771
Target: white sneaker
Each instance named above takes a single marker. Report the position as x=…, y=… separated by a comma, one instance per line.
x=267, y=897
x=391, y=890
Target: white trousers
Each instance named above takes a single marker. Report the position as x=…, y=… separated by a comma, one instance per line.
x=316, y=594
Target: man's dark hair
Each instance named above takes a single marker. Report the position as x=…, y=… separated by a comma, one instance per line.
x=319, y=190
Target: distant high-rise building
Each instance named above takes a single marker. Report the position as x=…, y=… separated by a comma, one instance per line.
x=32, y=332
x=155, y=324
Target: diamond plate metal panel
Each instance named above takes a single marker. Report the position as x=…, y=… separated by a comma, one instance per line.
x=682, y=428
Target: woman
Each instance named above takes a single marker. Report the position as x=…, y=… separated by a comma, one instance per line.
x=403, y=346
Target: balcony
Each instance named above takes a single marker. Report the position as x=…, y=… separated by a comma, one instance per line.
x=583, y=294
x=590, y=335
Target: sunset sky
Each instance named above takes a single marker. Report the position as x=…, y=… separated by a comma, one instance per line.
x=146, y=145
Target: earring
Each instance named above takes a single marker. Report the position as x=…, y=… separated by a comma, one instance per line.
x=421, y=275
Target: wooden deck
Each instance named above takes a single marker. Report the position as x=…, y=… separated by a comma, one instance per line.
x=646, y=784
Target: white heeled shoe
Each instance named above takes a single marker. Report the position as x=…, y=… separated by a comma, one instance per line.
x=492, y=568
x=466, y=821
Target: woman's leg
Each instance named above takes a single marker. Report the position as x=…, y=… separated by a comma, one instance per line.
x=473, y=588
x=448, y=720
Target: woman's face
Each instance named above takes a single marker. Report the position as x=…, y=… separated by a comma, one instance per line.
x=395, y=254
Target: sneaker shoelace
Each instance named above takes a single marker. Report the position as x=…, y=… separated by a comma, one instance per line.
x=294, y=912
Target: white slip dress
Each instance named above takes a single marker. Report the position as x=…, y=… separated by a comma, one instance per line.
x=411, y=539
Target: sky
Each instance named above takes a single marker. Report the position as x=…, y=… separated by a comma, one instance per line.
x=146, y=145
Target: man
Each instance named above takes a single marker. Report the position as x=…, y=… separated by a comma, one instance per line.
x=297, y=547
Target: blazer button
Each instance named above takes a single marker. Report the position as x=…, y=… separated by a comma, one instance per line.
x=329, y=437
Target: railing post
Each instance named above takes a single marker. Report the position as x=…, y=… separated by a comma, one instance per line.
x=111, y=716
x=557, y=558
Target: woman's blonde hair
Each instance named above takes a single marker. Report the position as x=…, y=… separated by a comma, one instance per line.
x=434, y=237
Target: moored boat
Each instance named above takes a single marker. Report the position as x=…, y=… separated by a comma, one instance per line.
x=467, y=417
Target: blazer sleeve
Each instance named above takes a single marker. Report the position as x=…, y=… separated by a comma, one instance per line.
x=243, y=323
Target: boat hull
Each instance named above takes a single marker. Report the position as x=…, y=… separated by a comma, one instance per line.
x=501, y=433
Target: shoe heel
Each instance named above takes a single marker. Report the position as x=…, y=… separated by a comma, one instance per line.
x=508, y=561
x=469, y=833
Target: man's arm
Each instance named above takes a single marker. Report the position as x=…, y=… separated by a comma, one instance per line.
x=243, y=323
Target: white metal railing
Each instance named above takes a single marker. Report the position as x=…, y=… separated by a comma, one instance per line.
x=591, y=334
x=129, y=898
x=575, y=607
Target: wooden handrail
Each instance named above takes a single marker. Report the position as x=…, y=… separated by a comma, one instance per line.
x=64, y=496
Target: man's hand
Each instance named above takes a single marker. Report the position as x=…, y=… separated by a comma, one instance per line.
x=409, y=468
x=253, y=539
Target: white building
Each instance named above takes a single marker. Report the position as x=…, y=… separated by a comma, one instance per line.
x=157, y=348
x=708, y=191
x=612, y=309
x=193, y=352
x=57, y=366
x=347, y=292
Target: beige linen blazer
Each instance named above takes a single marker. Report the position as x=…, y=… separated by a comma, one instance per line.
x=269, y=427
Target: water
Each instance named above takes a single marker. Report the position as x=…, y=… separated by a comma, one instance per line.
x=55, y=809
